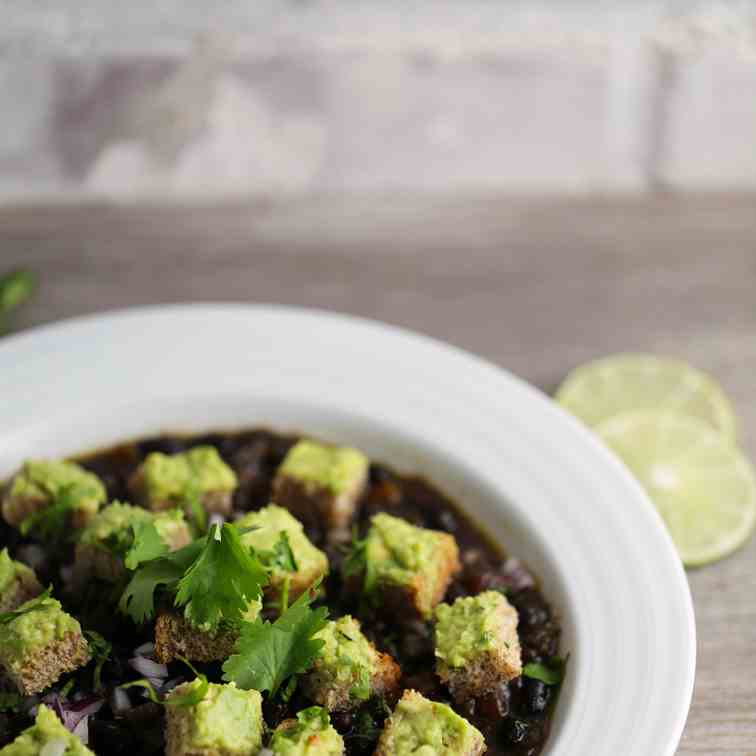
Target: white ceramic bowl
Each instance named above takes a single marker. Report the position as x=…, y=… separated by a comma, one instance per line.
x=549, y=492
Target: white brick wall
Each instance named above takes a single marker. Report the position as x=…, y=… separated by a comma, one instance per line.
x=177, y=99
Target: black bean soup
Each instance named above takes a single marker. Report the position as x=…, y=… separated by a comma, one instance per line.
x=514, y=719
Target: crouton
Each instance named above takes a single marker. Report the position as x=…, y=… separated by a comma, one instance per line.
x=18, y=583
x=175, y=636
x=165, y=481
x=310, y=734
x=321, y=483
x=106, y=539
x=408, y=567
x=266, y=527
x=477, y=647
x=46, y=735
x=349, y=670
x=419, y=725
x=226, y=722
x=41, y=483
x=39, y=644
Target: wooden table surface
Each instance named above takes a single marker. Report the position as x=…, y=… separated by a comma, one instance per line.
x=535, y=286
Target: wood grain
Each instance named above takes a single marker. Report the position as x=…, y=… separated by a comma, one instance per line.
x=535, y=286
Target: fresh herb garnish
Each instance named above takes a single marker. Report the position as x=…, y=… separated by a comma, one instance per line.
x=100, y=649
x=50, y=521
x=15, y=288
x=268, y=654
x=356, y=562
x=193, y=500
x=10, y=701
x=41, y=600
x=146, y=545
x=551, y=673
x=192, y=698
x=280, y=557
x=214, y=579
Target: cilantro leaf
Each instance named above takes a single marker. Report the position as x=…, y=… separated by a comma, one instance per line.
x=10, y=701
x=551, y=673
x=281, y=556
x=222, y=580
x=356, y=562
x=29, y=606
x=267, y=654
x=100, y=649
x=138, y=599
x=146, y=545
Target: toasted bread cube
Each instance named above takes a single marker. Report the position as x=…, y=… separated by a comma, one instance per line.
x=106, y=539
x=40, y=644
x=477, y=647
x=18, y=583
x=38, y=485
x=226, y=722
x=164, y=481
x=349, y=670
x=267, y=525
x=45, y=736
x=420, y=726
x=321, y=483
x=408, y=566
x=175, y=636
x=310, y=734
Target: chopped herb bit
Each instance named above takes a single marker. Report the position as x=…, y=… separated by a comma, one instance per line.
x=281, y=556
x=188, y=699
x=100, y=650
x=147, y=685
x=146, y=545
x=29, y=606
x=51, y=521
x=10, y=701
x=66, y=689
x=268, y=654
x=193, y=500
x=550, y=674
x=15, y=288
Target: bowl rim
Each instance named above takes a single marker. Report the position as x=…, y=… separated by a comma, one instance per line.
x=24, y=354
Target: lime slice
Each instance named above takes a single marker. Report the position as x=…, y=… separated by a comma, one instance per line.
x=702, y=485
x=599, y=390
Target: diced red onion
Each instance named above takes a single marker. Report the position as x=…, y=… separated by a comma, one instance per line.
x=146, y=649
x=516, y=575
x=82, y=730
x=119, y=701
x=71, y=713
x=54, y=747
x=147, y=667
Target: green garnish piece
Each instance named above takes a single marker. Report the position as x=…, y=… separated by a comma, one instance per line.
x=50, y=522
x=551, y=673
x=29, y=606
x=214, y=579
x=100, y=650
x=15, y=288
x=146, y=545
x=280, y=556
x=10, y=701
x=187, y=699
x=268, y=654
x=147, y=685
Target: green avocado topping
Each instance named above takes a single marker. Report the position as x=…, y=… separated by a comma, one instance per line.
x=398, y=552
x=419, y=727
x=347, y=659
x=171, y=477
x=46, y=479
x=47, y=729
x=28, y=631
x=10, y=571
x=311, y=734
x=336, y=468
x=266, y=525
x=111, y=528
x=227, y=720
x=468, y=627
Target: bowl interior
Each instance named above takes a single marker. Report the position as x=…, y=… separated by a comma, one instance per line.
x=85, y=430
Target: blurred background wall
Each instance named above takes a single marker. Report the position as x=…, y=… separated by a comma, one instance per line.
x=206, y=100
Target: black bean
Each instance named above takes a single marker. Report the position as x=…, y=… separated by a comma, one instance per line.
x=537, y=695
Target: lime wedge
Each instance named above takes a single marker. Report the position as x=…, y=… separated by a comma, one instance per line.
x=598, y=390
x=702, y=485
